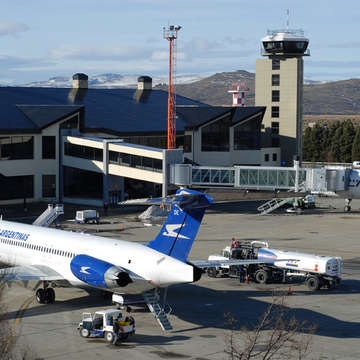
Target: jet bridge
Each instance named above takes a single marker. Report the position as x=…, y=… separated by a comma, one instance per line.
x=239, y=177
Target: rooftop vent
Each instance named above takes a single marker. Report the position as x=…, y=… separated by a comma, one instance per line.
x=80, y=81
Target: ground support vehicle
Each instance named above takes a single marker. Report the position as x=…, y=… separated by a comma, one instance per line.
x=87, y=216
x=109, y=324
x=316, y=271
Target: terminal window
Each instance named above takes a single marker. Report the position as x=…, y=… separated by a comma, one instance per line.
x=49, y=186
x=48, y=147
x=275, y=79
x=216, y=136
x=16, y=187
x=16, y=147
x=266, y=157
x=275, y=111
x=274, y=157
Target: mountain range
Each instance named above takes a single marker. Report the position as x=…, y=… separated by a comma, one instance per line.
x=332, y=97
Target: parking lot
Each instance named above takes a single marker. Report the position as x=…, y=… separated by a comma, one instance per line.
x=198, y=310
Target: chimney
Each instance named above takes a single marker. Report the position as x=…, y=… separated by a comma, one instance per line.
x=78, y=91
x=144, y=83
x=143, y=89
x=80, y=81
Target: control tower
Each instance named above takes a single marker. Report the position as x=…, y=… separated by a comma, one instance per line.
x=279, y=87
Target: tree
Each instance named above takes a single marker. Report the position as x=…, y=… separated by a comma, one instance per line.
x=355, y=153
x=307, y=145
x=335, y=146
x=277, y=335
x=346, y=141
x=316, y=142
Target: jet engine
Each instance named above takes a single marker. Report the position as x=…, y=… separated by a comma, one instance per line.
x=99, y=273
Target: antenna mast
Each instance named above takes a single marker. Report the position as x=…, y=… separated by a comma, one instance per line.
x=170, y=34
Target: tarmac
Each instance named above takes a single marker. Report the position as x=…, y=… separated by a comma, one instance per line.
x=200, y=329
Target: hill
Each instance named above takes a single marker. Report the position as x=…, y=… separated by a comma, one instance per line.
x=337, y=97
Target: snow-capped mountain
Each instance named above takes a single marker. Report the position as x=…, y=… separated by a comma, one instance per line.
x=112, y=81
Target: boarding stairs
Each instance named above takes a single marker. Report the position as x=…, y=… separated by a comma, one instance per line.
x=152, y=301
x=272, y=205
x=49, y=215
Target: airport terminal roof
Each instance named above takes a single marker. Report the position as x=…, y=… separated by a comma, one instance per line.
x=194, y=117
x=121, y=111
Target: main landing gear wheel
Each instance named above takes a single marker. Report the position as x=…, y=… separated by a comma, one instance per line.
x=45, y=296
x=347, y=208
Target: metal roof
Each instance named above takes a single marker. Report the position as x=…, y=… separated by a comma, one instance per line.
x=117, y=111
x=24, y=108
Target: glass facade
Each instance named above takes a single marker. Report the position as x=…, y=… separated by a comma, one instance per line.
x=247, y=135
x=16, y=147
x=48, y=147
x=72, y=123
x=84, y=152
x=82, y=183
x=216, y=136
x=16, y=187
x=135, y=161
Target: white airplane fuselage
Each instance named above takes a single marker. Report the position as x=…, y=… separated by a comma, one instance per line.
x=354, y=185
x=28, y=245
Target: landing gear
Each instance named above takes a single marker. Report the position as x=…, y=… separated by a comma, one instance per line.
x=261, y=276
x=45, y=295
x=347, y=207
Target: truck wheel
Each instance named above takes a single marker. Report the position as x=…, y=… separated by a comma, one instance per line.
x=313, y=283
x=261, y=276
x=211, y=271
x=85, y=333
x=109, y=336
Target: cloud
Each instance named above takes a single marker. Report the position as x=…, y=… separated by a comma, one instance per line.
x=11, y=28
x=99, y=53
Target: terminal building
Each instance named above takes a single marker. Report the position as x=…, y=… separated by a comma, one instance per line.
x=89, y=146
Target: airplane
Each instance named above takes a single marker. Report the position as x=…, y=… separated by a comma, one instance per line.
x=60, y=259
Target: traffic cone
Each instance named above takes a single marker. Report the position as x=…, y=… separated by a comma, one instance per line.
x=247, y=279
x=289, y=290
x=122, y=227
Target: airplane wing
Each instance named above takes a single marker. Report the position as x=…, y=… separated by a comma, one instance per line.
x=203, y=264
x=33, y=272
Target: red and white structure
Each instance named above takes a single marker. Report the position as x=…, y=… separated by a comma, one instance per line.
x=239, y=88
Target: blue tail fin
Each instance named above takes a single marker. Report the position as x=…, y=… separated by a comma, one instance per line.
x=182, y=225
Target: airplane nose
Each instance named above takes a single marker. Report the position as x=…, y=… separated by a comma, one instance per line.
x=172, y=271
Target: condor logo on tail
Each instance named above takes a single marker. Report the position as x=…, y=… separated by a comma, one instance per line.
x=170, y=231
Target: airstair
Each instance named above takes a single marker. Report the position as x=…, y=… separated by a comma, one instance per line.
x=272, y=205
x=152, y=301
x=49, y=215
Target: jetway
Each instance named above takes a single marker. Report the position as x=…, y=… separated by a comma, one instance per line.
x=240, y=177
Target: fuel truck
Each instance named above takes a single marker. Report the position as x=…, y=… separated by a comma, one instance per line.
x=317, y=271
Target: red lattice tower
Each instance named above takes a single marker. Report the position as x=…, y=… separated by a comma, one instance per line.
x=239, y=87
x=170, y=34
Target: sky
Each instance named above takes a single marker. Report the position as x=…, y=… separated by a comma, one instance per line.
x=40, y=39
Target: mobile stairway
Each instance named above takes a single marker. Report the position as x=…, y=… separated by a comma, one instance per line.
x=49, y=215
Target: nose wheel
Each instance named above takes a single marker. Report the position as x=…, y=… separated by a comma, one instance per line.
x=45, y=296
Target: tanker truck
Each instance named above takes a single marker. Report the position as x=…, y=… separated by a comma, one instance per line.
x=317, y=271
